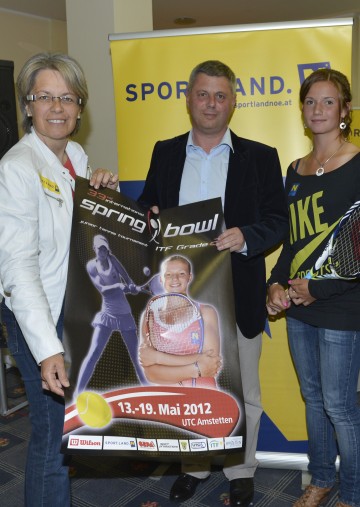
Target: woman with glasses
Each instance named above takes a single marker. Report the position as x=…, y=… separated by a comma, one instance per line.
x=37, y=181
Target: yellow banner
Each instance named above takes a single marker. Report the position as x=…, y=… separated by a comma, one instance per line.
x=150, y=78
x=355, y=127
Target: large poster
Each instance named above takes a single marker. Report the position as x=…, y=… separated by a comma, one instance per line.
x=150, y=331
x=151, y=71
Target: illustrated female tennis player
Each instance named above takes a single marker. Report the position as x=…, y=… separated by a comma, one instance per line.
x=180, y=338
x=113, y=282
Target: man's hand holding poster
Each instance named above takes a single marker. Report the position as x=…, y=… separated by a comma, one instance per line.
x=150, y=331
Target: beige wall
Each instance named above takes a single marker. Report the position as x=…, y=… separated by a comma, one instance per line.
x=22, y=36
x=355, y=73
x=90, y=46
x=85, y=37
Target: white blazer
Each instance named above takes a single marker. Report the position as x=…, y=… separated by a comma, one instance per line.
x=36, y=205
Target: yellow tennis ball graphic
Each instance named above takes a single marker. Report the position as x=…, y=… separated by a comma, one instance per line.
x=93, y=409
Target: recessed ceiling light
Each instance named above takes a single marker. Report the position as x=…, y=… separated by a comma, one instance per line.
x=184, y=21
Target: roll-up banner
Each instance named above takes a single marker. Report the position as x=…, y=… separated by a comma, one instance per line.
x=151, y=72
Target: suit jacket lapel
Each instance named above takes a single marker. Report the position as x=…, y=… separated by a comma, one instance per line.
x=235, y=174
x=176, y=165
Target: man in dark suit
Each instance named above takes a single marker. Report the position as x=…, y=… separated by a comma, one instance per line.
x=211, y=161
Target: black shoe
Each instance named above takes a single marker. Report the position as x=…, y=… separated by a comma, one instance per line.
x=241, y=492
x=184, y=487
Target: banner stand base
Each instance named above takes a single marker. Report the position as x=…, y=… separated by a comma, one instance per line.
x=288, y=461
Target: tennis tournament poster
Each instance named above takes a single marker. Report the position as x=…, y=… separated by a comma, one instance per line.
x=150, y=332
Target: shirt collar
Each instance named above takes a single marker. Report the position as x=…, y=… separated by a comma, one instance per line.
x=226, y=140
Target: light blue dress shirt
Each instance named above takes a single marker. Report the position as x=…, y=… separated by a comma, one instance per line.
x=204, y=175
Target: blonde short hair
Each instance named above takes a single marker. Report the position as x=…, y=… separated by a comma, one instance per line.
x=69, y=69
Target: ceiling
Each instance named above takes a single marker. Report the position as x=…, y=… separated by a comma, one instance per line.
x=214, y=13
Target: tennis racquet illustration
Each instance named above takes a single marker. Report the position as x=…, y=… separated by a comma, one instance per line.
x=342, y=252
x=153, y=285
x=174, y=325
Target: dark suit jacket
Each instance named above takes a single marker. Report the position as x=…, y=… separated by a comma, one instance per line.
x=254, y=201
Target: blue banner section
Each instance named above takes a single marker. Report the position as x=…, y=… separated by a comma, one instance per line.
x=272, y=440
x=132, y=188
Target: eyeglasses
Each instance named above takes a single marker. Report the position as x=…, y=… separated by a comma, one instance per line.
x=66, y=100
